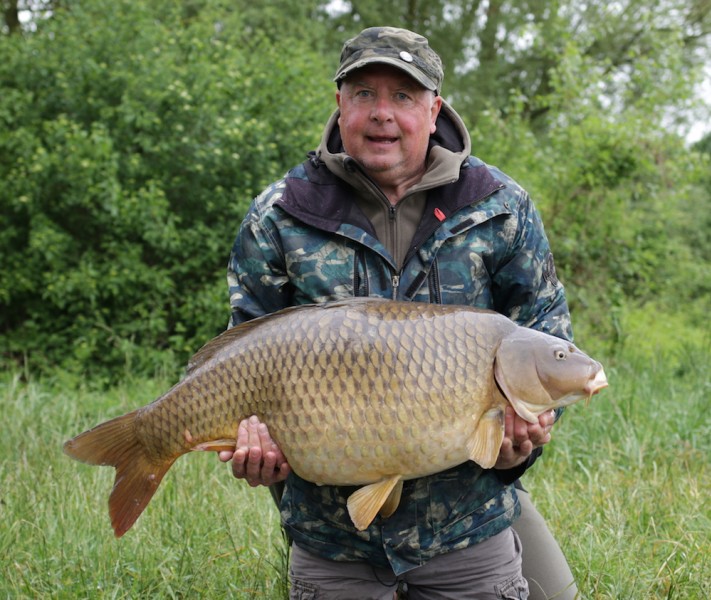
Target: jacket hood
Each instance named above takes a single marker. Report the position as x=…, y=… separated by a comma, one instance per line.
x=449, y=147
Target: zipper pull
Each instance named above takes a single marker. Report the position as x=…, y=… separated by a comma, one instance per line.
x=396, y=285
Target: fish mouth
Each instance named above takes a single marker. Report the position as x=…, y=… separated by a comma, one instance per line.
x=592, y=387
x=597, y=383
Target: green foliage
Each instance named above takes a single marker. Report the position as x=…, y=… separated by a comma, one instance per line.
x=704, y=145
x=134, y=134
x=133, y=137
x=623, y=200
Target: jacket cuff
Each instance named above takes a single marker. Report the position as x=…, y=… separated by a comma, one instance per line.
x=509, y=476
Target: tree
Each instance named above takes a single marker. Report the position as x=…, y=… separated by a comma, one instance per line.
x=133, y=135
x=34, y=10
x=11, y=16
x=500, y=50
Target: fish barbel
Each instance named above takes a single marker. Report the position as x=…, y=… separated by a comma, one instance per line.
x=364, y=392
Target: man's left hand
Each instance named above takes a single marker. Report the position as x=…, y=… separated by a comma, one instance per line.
x=522, y=437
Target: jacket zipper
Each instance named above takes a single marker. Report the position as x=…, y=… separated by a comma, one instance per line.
x=435, y=288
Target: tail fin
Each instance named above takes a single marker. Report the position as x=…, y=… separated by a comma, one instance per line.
x=115, y=444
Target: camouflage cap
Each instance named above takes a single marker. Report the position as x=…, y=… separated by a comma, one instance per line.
x=400, y=48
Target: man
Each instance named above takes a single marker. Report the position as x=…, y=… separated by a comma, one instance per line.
x=393, y=205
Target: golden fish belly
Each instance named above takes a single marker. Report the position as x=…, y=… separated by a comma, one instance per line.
x=369, y=455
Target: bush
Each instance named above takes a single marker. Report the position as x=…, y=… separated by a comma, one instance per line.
x=134, y=136
x=625, y=208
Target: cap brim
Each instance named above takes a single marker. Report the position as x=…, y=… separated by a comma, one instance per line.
x=408, y=68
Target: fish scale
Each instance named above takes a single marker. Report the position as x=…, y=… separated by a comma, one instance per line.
x=365, y=392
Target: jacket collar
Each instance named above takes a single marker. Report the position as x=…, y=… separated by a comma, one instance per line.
x=316, y=196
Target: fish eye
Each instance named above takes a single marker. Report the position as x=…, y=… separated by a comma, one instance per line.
x=560, y=355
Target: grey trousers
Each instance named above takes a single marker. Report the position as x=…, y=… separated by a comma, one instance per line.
x=544, y=564
x=490, y=570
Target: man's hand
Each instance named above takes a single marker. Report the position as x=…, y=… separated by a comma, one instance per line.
x=256, y=458
x=521, y=437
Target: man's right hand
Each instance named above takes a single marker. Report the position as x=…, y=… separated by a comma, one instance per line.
x=256, y=458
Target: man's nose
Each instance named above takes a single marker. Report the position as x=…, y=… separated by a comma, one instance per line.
x=381, y=110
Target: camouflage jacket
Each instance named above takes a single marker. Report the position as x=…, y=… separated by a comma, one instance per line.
x=480, y=242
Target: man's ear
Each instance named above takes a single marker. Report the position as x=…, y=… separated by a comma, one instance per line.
x=436, y=107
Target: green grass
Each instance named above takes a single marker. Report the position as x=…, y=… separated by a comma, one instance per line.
x=625, y=485
x=204, y=535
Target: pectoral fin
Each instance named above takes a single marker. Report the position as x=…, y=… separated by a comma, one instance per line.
x=392, y=502
x=364, y=504
x=485, y=442
x=215, y=446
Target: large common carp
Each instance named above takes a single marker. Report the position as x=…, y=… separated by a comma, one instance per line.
x=362, y=392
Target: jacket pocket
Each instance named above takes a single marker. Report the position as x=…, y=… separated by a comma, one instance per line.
x=456, y=497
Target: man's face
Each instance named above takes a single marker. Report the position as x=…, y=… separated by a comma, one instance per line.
x=386, y=121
